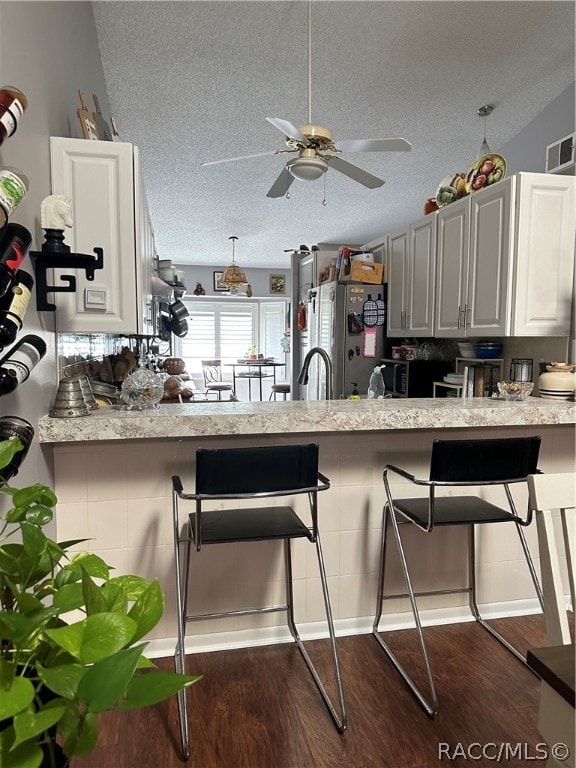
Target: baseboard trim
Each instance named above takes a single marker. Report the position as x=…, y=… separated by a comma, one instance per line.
x=220, y=641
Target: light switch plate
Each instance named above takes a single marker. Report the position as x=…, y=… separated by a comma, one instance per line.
x=95, y=298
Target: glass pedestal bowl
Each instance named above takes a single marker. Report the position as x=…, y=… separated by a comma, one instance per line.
x=515, y=390
x=143, y=389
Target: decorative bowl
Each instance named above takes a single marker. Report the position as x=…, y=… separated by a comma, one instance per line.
x=487, y=351
x=487, y=170
x=515, y=390
x=142, y=389
x=466, y=349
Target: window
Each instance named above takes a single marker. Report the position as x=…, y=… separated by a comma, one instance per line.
x=228, y=329
x=217, y=330
x=272, y=327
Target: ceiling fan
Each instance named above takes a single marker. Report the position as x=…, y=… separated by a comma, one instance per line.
x=316, y=150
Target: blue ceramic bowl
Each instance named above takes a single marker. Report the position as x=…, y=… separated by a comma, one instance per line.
x=487, y=351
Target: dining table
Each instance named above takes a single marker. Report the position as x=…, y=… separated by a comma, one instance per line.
x=254, y=369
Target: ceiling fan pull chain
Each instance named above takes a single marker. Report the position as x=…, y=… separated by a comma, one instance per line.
x=287, y=172
x=324, y=201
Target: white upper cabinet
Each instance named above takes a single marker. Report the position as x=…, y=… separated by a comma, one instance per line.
x=505, y=259
x=453, y=224
x=419, y=292
x=410, y=274
x=397, y=267
x=489, y=254
x=544, y=269
x=109, y=209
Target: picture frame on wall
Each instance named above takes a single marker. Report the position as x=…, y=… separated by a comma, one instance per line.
x=218, y=284
x=277, y=284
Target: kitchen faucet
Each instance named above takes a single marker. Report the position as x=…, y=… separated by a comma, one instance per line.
x=303, y=376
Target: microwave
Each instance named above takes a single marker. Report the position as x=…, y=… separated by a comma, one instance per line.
x=413, y=378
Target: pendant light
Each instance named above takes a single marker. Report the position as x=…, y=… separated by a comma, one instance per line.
x=484, y=111
x=233, y=276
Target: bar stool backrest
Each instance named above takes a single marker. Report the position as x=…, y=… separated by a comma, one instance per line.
x=484, y=461
x=266, y=469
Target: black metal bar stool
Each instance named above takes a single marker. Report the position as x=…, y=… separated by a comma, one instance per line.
x=458, y=463
x=279, y=389
x=251, y=473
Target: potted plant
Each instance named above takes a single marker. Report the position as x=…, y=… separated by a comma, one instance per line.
x=70, y=636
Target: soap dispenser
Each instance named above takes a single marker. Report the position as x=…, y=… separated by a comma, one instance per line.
x=355, y=394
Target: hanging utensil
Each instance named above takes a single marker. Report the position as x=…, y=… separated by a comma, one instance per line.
x=380, y=310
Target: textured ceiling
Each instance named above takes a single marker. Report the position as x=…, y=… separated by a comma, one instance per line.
x=190, y=82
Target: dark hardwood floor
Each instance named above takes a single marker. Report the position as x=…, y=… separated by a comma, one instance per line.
x=259, y=708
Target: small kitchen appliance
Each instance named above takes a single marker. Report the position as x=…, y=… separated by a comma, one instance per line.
x=413, y=378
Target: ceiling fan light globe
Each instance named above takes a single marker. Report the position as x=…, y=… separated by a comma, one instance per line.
x=307, y=168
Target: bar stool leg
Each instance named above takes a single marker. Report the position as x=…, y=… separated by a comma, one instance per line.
x=181, y=601
x=340, y=720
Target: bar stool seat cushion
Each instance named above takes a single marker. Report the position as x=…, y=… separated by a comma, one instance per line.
x=257, y=524
x=452, y=510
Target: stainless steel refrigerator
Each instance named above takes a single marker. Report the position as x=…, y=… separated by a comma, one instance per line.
x=348, y=321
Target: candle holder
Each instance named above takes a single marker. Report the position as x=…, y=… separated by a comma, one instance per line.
x=56, y=254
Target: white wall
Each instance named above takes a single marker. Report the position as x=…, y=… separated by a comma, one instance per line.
x=259, y=279
x=527, y=150
x=49, y=51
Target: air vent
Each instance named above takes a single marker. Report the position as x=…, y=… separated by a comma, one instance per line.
x=560, y=156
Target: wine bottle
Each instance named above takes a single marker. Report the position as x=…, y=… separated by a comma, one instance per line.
x=16, y=365
x=12, y=106
x=14, y=243
x=14, y=186
x=13, y=307
x=14, y=426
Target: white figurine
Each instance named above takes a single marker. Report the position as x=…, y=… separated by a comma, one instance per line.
x=56, y=212
x=376, y=388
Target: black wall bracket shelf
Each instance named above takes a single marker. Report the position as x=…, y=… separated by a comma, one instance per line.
x=56, y=254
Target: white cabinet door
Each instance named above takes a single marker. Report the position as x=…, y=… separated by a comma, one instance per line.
x=145, y=252
x=419, y=289
x=99, y=178
x=453, y=223
x=488, y=300
x=397, y=270
x=544, y=269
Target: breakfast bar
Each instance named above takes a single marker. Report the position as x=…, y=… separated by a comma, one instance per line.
x=112, y=478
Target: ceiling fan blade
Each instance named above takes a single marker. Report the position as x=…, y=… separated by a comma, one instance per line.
x=355, y=173
x=374, y=145
x=281, y=185
x=288, y=130
x=242, y=157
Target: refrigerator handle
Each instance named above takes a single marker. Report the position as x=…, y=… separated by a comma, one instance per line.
x=312, y=299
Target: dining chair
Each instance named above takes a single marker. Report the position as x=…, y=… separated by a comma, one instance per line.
x=548, y=492
x=266, y=474
x=213, y=383
x=461, y=464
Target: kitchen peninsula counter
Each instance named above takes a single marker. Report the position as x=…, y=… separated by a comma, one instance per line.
x=221, y=419
x=113, y=474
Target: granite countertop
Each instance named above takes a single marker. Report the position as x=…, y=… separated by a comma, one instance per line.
x=299, y=416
